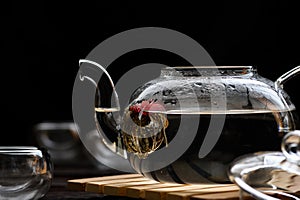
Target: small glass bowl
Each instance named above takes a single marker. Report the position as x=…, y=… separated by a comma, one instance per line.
x=25, y=172
x=270, y=175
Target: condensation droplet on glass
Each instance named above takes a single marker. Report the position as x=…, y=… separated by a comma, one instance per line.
x=173, y=102
x=198, y=84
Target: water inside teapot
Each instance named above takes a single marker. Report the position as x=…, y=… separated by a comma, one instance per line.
x=244, y=131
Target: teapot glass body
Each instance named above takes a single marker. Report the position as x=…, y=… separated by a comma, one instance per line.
x=187, y=125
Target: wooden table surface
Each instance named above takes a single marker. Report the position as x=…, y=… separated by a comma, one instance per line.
x=60, y=189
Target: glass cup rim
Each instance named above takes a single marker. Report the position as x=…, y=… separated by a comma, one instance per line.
x=20, y=150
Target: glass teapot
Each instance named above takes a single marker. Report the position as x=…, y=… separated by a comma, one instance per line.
x=191, y=122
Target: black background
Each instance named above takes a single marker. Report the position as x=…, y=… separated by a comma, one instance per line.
x=42, y=42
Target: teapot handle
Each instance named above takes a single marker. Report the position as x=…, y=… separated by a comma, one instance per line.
x=119, y=146
x=286, y=76
x=82, y=77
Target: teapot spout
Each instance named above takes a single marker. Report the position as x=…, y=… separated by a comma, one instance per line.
x=118, y=147
x=286, y=76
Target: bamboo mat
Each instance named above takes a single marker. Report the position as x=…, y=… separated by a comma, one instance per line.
x=137, y=186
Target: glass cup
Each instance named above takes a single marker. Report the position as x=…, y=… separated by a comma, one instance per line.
x=61, y=140
x=25, y=172
x=270, y=175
